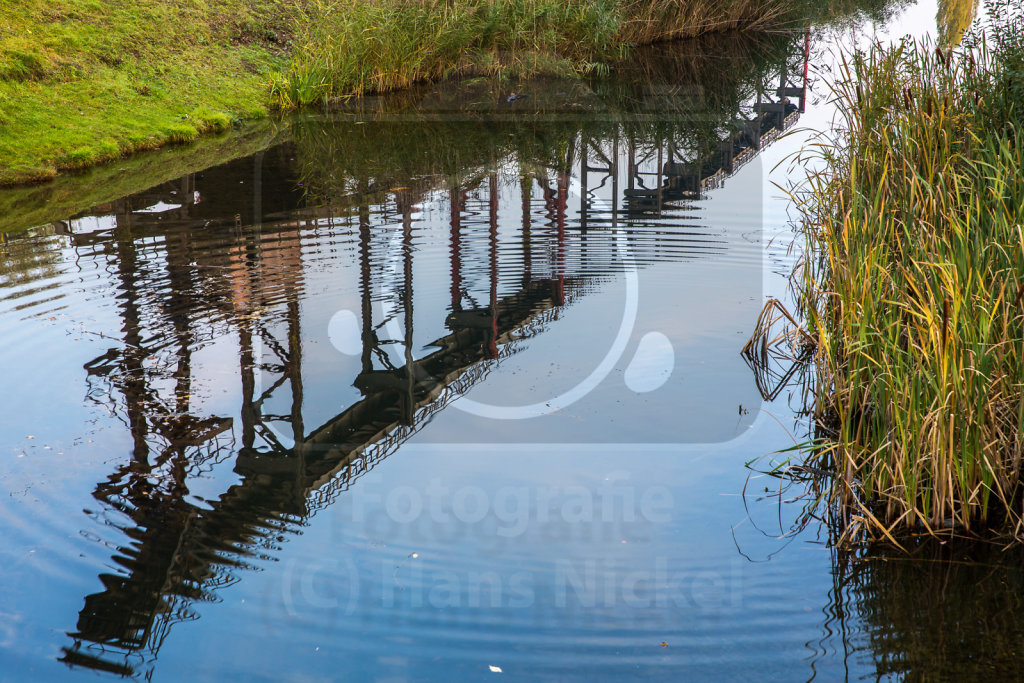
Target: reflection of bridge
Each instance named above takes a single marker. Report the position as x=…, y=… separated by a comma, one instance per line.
x=194, y=264
x=180, y=551
x=675, y=178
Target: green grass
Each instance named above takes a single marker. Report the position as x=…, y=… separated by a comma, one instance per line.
x=914, y=292
x=407, y=145
x=30, y=205
x=87, y=81
x=351, y=47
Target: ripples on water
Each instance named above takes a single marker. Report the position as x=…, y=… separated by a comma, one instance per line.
x=443, y=383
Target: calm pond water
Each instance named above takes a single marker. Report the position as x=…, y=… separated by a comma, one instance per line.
x=443, y=384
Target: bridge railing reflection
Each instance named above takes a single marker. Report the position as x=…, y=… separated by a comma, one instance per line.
x=196, y=261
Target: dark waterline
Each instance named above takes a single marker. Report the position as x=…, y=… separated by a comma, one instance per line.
x=447, y=382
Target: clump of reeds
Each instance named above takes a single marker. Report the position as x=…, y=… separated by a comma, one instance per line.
x=914, y=292
x=351, y=47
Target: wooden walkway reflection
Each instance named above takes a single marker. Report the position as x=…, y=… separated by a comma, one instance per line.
x=195, y=262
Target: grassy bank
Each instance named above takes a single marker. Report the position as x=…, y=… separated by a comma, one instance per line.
x=84, y=82
x=27, y=206
x=408, y=139
x=914, y=292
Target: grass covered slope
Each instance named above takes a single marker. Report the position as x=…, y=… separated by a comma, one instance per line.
x=914, y=290
x=85, y=81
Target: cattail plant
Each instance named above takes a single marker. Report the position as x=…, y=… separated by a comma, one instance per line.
x=911, y=286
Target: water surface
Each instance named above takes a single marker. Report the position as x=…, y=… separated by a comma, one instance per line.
x=443, y=383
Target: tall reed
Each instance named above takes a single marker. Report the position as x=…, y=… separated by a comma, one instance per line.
x=914, y=290
x=350, y=47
